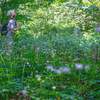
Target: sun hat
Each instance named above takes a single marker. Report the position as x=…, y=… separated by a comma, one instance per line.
x=11, y=13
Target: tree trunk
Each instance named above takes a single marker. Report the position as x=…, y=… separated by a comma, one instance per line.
x=96, y=53
x=3, y=11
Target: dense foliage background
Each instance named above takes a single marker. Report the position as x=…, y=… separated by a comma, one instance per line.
x=53, y=52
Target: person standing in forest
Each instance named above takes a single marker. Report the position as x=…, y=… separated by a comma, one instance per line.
x=11, y=28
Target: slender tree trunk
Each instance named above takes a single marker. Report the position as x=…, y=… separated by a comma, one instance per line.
x=96, y=53
x=3, y=11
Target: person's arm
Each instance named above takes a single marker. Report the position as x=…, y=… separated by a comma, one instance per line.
x=16, y=27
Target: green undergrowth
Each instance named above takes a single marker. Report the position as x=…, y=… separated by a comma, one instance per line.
x=65, y=34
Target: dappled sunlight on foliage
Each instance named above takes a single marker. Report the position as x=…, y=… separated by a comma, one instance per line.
x=53, y=51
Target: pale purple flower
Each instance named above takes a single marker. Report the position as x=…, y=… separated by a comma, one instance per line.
x=79, y=66
x=49, y=67
x=8, y=54
x=52, y=69
x=38, y=48
x=36, y=71
x=24, y=47
x=10, y=50
x=20, y=41
x=98, y=28
x=24, y=58
x=76, y=59
x=27, y=63
x=38, y=76
x=24, y=92
x=2, y=52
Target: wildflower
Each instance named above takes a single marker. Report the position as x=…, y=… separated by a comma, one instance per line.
x=38, y=48
x=49, y=67
x=77, y=31
x=98, y=29
x=52, y=69
x=24, y=47
x=20, y=42
x=79, y=66
x=54, y=87
x=27, y=63
x=24, y=92
x=38, y=76
x=46, y=77
x=43, y=81
x=39, y=79
x=2, y=52
x=6, y=70
x=66, y=70
x=58, y=71
x=60, y=68
x=10, y=50
x=28, y=44
x=7, y=54
x=76, y=59
x=36, y=71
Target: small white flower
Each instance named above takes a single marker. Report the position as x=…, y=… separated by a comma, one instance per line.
x=66, y=70
x=79, y=66
x=58, y=71
x=43, y=81
x=38, y=76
